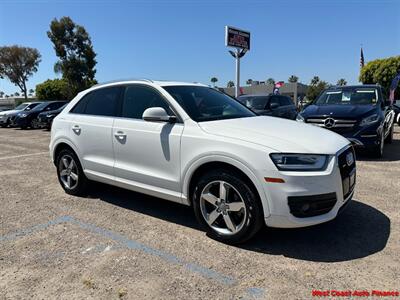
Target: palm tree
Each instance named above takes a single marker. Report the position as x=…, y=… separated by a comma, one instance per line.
x=16, y=94
x=31, y=92
x=249, y=81
x=1, y=94
x=271, y=81
x=341, y=82
x=230, y=83
x=315, y=80
x=214, y=80
x=293, y=78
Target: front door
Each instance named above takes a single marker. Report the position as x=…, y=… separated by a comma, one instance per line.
x=147, y=154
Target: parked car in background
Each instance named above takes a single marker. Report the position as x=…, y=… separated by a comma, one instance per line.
x=6, y=116
x=360, y=113
x=45, y=119
x=396, y=109
x=194, y=145
x=270, y=105
x=25, y=119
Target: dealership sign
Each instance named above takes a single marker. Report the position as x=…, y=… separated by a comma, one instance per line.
x=237, y=38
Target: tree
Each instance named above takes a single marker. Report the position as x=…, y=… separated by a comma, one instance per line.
x=74, y=49
x=381, y=71
x=31, y=91
x=1, y=94
x=56, y=89
x=341, y=82
x=271, y=81
x=293, y=78
x=230, y=84
x=315, y=80
x=18, y=64
x=249, y=81
x=214, y=80
x=16, y=94
x=315, y=88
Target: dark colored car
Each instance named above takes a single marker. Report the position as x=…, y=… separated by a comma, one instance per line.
x=270, y=105
x=45, y=119
x=7, y=116
x=360, y=113
x=26, y=119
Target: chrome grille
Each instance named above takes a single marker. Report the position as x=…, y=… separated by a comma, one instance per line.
x=328, y=122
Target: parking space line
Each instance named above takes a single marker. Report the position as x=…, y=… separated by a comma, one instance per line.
x=134, y=245
x=23, y=155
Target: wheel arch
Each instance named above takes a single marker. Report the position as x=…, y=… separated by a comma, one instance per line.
x=60, y=145
x=208, y=163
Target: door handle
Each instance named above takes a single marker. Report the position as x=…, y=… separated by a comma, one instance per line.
x=120, y=135
x=76, y=129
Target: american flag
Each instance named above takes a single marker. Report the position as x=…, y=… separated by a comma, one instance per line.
x=362, y=59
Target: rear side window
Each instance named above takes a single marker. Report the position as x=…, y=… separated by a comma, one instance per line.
x=274, y=99
x=285, y=101
x=138, y=98
x=55, y=105
x=101, y=102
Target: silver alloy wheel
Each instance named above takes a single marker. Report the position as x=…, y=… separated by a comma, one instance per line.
x=68, y=172
x=223, y=207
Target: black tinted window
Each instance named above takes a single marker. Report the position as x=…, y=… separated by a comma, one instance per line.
x=274, y=100
x=254, y=102
x=102, y=102
x=138, y=98
x=55, y=105
x=284, y=101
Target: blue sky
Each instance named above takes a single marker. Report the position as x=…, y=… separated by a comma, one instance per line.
x=184, y=40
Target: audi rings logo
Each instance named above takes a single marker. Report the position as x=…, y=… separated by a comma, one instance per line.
x=329, y=123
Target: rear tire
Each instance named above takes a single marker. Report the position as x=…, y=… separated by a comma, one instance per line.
x=70, y=173
x=214, y=209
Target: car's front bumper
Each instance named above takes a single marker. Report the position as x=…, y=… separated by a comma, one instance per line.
x=323, y=191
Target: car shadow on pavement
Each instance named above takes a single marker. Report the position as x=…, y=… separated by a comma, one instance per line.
x=359, y=231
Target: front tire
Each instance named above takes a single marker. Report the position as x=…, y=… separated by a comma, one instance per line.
x=227, y=206
x=389, y=138
x=70, y=173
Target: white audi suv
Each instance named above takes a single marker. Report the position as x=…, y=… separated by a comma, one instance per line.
x=192, y=144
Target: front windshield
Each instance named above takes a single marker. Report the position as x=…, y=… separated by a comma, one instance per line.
x=349, y=96
x=207, y=104
x=254, y=102
x=21, y=106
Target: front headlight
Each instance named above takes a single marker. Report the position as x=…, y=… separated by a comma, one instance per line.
x=299, y=162
x=300, y=118
x=369, y=120
x=22, y=115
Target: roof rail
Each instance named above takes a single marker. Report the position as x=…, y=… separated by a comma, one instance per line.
x=119, y=80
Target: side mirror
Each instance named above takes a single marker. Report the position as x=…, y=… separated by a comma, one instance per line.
x=157, y=114
x=273, y=106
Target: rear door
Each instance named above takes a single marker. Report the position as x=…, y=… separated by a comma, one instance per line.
x=91, y=131
x=147, y=154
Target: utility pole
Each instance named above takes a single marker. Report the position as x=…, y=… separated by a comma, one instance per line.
x=240, y=40
x=237, y=55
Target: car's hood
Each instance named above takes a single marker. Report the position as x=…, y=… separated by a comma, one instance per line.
x=278, y=134
x=338, y=111
x=9, y=112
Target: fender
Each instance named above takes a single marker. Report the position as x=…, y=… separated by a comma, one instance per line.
x=64, y=140
x=219, y=157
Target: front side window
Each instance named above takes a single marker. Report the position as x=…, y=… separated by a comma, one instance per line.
x=138, y=98
x=349, y=96
x=21, y=106
x=207, y=104
x=101, y=102
x=275, y=100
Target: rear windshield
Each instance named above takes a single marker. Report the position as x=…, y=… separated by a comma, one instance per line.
x=254, y=102
x=349, y=96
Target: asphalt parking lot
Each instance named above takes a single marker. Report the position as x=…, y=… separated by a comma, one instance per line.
x=119, y=244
